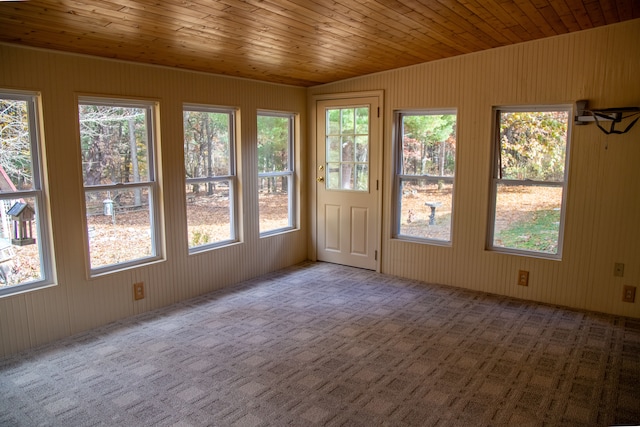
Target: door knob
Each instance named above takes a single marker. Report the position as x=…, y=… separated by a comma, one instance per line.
x=320, y=179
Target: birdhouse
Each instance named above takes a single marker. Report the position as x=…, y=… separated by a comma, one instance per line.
x=22, y=216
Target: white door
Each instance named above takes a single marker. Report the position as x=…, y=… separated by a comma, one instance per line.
x=347, y=181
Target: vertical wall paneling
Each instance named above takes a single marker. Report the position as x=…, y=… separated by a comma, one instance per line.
x=603, y=195
x=78, y=303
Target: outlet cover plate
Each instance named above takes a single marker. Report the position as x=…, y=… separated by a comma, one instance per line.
x=138, y=291
x=523, y=278
x=629, y=293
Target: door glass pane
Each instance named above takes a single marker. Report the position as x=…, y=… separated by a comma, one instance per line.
x=347, y=149
x=362, y=148
x=333, y=149
x=347, y=121
x=362, y=177
x=333, y=176
x=347, y=176
x=362, y=120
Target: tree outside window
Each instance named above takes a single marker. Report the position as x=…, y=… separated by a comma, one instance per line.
x=529, y=180
x=25, y=260
x=117, y=147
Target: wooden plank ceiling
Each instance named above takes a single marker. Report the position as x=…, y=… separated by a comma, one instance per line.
x=297, y=42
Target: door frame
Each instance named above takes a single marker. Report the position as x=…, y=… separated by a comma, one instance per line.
x=312, y=249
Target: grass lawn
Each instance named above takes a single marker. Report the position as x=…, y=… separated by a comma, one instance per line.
x=537, y=231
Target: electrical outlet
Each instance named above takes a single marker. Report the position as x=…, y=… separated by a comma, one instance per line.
x=629, y=293
x=523, y=278
x=618, y=269
x=138, y=291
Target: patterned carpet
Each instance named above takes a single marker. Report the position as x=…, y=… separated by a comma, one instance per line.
x=321, y=344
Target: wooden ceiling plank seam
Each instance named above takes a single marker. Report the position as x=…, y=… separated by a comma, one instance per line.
x=529, y=30
x=346, y=44
x=418, y=28
x=229, y=39
x=366, y=32
x=625, y=9
x=553, y=19
x=489, y=24
x=159, y=8
x=580, y=13
x=462, y=16
x=595, y=12
x=536, y=18
x=492, y=19
x=349, y=32
x=106, y=45
x=610, y=11
x=564, y=12
x=426, y=16
x=24, y=10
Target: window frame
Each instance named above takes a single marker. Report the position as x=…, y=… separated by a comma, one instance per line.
x=232, y=178
x=153, y=185
x=290, y=172
x=399, y=178
x=496, y=180
x=37, y=192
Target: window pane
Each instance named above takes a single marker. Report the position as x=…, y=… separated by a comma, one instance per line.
x=362, y=148
x=362, y=177
x=333, y=176
x=425, y=209
x=533, y=145
x=20, y=249
x=273, y=144
x=333, y=122
x=333, y=149
x=273, y=202
x=428, y=144
x=114, y=144
x=347, y=121
x=119, y=225
x=16, y=169
x=209, y=213
x=206, y=144
x=362, y=120
x=528, y=218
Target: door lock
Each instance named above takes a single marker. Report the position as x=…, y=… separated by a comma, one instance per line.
x=320, y=179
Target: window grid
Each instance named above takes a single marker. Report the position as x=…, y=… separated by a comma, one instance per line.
x=424, y=175
x=221, y=228
x=530, y=169
x=270, y=171
x=122, y=216
x=20, y=268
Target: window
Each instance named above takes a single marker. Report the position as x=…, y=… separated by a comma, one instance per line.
x=209, y=161
x=25, y=253
x=424, y=175
x=120, y=188
x=275, y=172
x=529, y=180
x=348, y=149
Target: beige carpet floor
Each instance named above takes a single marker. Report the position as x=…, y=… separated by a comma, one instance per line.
x=321, y=344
